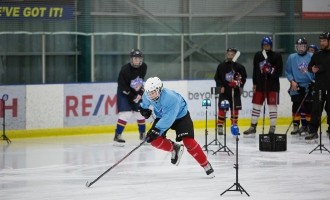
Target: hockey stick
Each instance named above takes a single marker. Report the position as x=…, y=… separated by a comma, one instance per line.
x=264, y=54
x=88, y=184
x=236, y=56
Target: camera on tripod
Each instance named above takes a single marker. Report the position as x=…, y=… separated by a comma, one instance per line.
x=206, y=102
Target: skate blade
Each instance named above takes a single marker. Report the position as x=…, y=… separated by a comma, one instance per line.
x=211, y=176
x=253, y=135
x=118, y=144
x=313, y=141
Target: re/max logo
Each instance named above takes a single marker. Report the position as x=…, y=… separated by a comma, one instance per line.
x=10, y=105
x=85, y=105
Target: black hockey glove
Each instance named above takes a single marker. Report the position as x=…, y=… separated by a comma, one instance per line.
x=301, y=90
x=146, y=113
x=311, y=86
x=152, y=134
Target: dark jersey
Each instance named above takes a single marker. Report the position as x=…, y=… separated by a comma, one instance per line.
x=226, y=72
x=321, y=59
x=267, y=81
x=130, y=80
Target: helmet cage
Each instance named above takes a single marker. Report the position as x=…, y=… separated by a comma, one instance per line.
x=301, y=46
x=134, y=54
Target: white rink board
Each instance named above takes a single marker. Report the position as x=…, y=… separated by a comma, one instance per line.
x=90, y=104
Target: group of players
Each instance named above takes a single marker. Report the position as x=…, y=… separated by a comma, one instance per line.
x=305, y=70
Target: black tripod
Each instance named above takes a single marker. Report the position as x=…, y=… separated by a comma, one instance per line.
x=3, y=100
x=216, y=93
x=206, y=103
x=224, y=147
x=238, y=187
x=321, y=146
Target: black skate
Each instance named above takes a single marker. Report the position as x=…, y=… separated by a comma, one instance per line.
x=251, y=131
x=302, y=130
x=271, y=130
x=176, y=153
x=311, y=137
x=220, y=130
x=142, y=136
x=209, y=170
x=118, y=140
x=295, y=130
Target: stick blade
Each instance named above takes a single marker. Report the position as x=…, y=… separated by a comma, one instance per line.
x=238, y=53
x=264, y=54
x=88, y=184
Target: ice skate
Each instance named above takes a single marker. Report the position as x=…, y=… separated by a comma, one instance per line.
x=176, y=153
x=220, y=130
x=312, y=138
x=142, y=136
x=302, y=130
x=295, y=130
x=251, y=131
x=209, y=170
x=119, y=141
x=272, y=130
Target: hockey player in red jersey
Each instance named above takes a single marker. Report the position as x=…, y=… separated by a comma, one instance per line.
x=267, y=69
x=230, y=77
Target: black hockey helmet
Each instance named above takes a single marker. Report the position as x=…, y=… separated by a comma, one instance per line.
x=301, y=40
x=232, y=50
x=135, y=53
x=301, y=46
x=325, y=35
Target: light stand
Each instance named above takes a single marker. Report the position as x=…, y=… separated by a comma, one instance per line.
x=239, y=188
x=206, y=103
x=3, y=100
x=224, y=105
x=321, y=146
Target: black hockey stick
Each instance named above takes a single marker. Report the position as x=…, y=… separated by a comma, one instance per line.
x=88, y=184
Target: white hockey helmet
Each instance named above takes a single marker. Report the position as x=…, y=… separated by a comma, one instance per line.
x=153, y=87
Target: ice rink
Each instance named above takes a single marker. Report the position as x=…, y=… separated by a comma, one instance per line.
x=59, y=167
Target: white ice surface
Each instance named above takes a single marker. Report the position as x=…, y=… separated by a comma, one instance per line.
x=59, y=167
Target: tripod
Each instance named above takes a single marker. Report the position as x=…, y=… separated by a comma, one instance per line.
x=216, y=93
x=224, y=147
x=206, y=103
x=3, y=100
x=238, y=187
x=321, y=146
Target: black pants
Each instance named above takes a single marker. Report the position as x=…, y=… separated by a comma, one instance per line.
x=319, y=100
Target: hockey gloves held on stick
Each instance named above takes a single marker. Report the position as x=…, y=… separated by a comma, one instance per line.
x=146, y=113
x=152, y=134
x=233, y=84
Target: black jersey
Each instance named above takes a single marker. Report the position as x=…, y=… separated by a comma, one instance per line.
x=130, y=80
x=321, y=59
x=226, y=72
x=267, y=81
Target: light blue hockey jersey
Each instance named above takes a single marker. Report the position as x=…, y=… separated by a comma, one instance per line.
x=297, y=69
x=169, y=107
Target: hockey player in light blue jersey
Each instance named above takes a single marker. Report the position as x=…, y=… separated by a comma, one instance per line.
x=300, y=79
x=171, y=112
